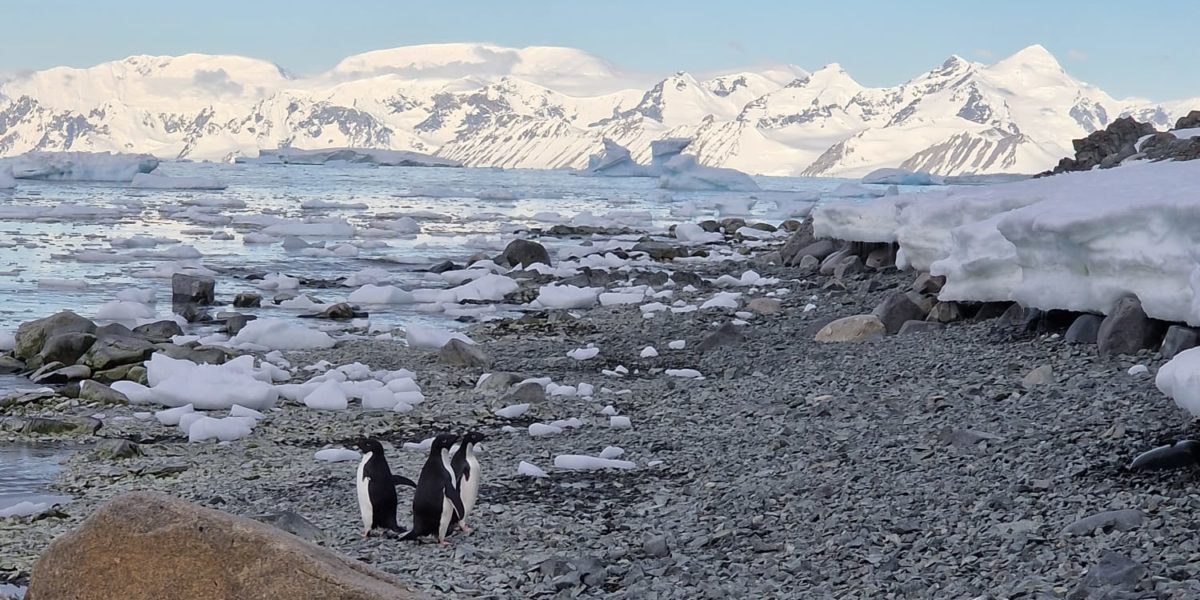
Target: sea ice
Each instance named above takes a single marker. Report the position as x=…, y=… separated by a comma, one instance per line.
x=327, y=396
x=578, y=462
x=568, y=296
x=542, y=429
x=530, y=470
x=901, y=177
x=432, y=338
x=278, y=334
x=81, y=166
x=336, y=455
x=512, y=411
x=584, y=353
x=7, y=341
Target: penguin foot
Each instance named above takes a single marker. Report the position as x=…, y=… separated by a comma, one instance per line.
x=445, y=543
x=366, y=534
x=463, y=527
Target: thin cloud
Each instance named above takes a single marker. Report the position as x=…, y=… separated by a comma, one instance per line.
x=1076, y=54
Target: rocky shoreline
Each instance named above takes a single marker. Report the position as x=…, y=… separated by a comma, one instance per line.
x=962, y=458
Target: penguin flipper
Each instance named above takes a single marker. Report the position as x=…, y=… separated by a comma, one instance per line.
x=1181, y=454
x=452, y=493
x=402, y=480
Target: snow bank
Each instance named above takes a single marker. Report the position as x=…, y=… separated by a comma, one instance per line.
x=1078, y=241
x=80, y=166
x=278, y=334
x=1179, y=379
x=154, y=181
x=902, y=177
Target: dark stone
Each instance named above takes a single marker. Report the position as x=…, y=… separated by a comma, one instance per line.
x=235, y=323
x=460, y=353
x=113, y=330
x=10, y=365
x=764, y=227
x=117, y=450
x=686, y=278
x=113, y=375
x=111, y=352
x=1084, y=329
x=338, y=312
x=993, y=310
x=247, y=300
x=524, y=253
x=443, y=266
x=898, y=308
x=661, y=250
x=1112, y=574
x=193, y=289
x=791, y=225
x=158, y=331
x=190, y=311
x=1127, y=329
x=710, y=226
x=65, y=348
x=929, y=284
x=910, y=327
x=1189, y=121
x=728, y=335
x=31, y=336
x=61, y=374
x=68, y=425
x=882, y=257
x=94, y=391
x=654, y=278
x=1179, y=338
x=945, y=312
x=848, y=266
x=731, y=224
x=526, y=393
x=1104, y=148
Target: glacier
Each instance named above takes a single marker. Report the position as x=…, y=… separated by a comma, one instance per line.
x=543, y=107
x=1077, y=241
x=79, y=166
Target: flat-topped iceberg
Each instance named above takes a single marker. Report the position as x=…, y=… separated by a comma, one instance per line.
x=675, y=170
x=902, y=177
x=79, y=166
x=367, y=156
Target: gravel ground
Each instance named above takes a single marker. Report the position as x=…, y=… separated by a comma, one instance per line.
x=916, y=466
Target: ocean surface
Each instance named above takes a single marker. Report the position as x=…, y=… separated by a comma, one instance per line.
x=73, y=257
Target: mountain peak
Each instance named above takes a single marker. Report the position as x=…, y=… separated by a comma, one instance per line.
x=1036, y=56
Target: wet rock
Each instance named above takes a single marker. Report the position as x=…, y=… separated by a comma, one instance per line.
x=686, y=278
x=881, y=258
x=283, y=297
x=992, y=310
x=247, y=300
x=61, y=374
x=237, y=322
x=443, y=266
x=1120, y=520
x=116, y=450
x=10, y=365
x=731, y=224
x=848, y=265
x=158, y=331
x=855, y=328
x=661, y=250
x=113, y=375
x=65, y=425
x=524, y=253
x=65, y=348
x=653, y=278
x=341, y=311
x=526, y=393
x=1178, y=339
x=133, y=546
x=898, y=308
x=1084, y=329
x=190, y=311
x=764, y=306
x=111, y=352
x=459, y=353
x=499, y=382
x=710, y=226
x=1127, y=329
x=193, y=289
x=32, y=336
x=727, y=335
x=113, y=330
x=1042, y=375
x=137, y=373
x=831, y=262
x=94, y=391
x=918, y=327
x=809, y=264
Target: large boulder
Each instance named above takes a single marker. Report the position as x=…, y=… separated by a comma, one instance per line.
x=1178, y=339
x=65, y=348
x=114, y=351
x=1084, y=329
x=1104, y=148
x=728, y=335
x=193, y=289
x=158, y=331
x=1189, y=121
x=901, y=307
x=150, y=546
x=460, y=353
x=855, y=328
x=31, y=336
x=661, y=250
x=803, y=237
x=1127, y=329
x=524, y=253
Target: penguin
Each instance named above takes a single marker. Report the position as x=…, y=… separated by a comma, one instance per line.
x=436, y=500
x=376, y=489
x=466, y=476
x=1180, y=454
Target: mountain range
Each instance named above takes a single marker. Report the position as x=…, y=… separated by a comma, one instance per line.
x=550, y=107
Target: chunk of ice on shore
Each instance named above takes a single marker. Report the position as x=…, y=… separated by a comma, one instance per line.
x=432, y=338
x=1179, y=379
x=278, y=334
x=649, y=352
x=688, y=373
x=226, y=430
x=382, y=399
x=327, y=396
x=584, y=353
x=691, y=232
x=612, y=452
x=677, y=344
x=542, y=429
x=578, y=462
x=619, y=422
x=530, y=470
x=336, y=455
x=237, y=410
x=380, y=294
x=26, y=508
x=608, y=410
x=171, y=416
x=512, y=411
x=568, y=296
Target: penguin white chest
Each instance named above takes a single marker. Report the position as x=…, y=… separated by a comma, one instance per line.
x=470, y=484
x=364, y=494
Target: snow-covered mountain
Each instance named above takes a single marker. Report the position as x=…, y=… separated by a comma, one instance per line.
x=545, y=107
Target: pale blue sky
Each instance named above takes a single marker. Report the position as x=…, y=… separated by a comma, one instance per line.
x=1127, y=49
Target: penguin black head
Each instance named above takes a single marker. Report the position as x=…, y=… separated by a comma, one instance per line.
x=473, y=437
x=444, y=441
x=366, y=445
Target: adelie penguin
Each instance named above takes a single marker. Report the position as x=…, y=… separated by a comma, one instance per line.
x=377, y=489
x=436, y=500
x=466, y=476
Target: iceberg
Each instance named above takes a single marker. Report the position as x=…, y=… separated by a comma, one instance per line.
x=79, y=166
x=616, y=161
x=154, y=181
x=675, y=170
x=902, y=177
x=366, y=156
x=684, y=172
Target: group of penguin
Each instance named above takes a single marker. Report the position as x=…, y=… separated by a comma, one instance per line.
x=445, y=494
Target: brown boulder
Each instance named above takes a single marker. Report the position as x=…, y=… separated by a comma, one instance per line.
x=147, y=545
